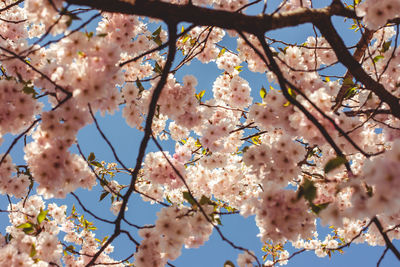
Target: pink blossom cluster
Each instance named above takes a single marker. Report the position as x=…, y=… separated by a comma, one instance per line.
x=17, y=109
x=381, y=174
x=57, y=171
x=179, y=103
x=159, y=171
x=205, y=40
x=33, y=237
x=281, y=216
x=47, y=14
x=277, y=161
x=234, y=92
x=83, y=70
x=377, y=13
x=40, y=240
x=15, y=186
x=174, y=228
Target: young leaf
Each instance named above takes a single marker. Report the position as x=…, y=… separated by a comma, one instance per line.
x=185, y=38
x=103, y=195
x=386, y=46
x=139, y=85
x=89, y=35
x=157, y=40
x=205, y=200
x=221, y=52
x=377, y=58
x=291, y=92
x=189, y=198
x=91, y=156
x=157, y=68
x=307, y=190
x=317, y=208
x=157, y=32
x=96, y=163
x=28, y=227
x=228, y=263
x=348, y=81
x=33, y=251
x=239, y=68
x=263, y=92
x=350, y=92
x=25, y=225
x=200, y=95
x=42, y=216
x=334, y=163
x=29, y=90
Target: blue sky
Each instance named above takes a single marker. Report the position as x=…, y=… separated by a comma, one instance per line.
x=239, y=230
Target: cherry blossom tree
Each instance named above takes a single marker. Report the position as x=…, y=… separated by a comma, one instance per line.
x=321, y=142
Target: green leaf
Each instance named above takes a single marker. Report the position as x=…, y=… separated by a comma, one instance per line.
x=205, y=200
x=96, y=163
x=157, y=40
x=307, y=190
x=256, y=139
x=228, y=263
x=139, y=85
x=185, y=38
x=168, y=200
x=334, y=163
x=91, y=156
x=157, y=32
x=354, y=26
x=263, y=92
x=89, y=34
x=70, y=248
x=291, y=92
x=33, y=251
x=386, y=46
x=283, y=50
x=102, y=35
x=103, y=195
x=200, y=95
x=197, y=143
x=29, y=90
x=370, y=190
x=317, y=208
x=103, y=182
x=348, y=81
x=221, y=52
x=42, y=216
x=239, y=68
x=245, y=149
x=377, y=58
x=157, y=68
x=25, y=225
x=350, y=92
x=189, y=198
x=28, y=227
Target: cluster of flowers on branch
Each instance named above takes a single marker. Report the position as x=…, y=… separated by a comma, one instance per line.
x=319, y=146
